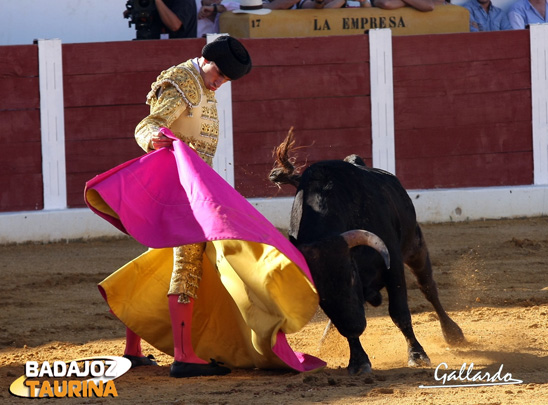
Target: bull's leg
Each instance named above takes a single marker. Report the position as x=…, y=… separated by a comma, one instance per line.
x=419, y=263
x=399, y=312
x=359, y=361
x=351, y=323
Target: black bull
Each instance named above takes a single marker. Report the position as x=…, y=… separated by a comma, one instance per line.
x=334, y=197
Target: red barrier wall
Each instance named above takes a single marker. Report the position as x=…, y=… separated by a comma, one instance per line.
x=462, y=109
x=21, y=151
x=105, y=86
x=318, y=86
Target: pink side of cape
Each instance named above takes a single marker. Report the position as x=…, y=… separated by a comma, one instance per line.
x=171, y=197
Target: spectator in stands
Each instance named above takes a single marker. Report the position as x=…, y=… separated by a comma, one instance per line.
x=209, y=12
x=321, y=4
x=280, y=4
x=168, y=19
x=484, y=16
x=525, y=12
x=421, y=5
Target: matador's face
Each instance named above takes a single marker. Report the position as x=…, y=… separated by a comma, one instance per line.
x=211, y=75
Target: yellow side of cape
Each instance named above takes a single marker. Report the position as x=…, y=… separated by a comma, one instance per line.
x=249, y=291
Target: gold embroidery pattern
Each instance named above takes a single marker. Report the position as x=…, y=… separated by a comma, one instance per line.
x=210, y=96
x=184, y=80
x=182, y=86
x=210, y=129
x=163, y=112
x=205, y=147
x=187, y=271
x=209, y=112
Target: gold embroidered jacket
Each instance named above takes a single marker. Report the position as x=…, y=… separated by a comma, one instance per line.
x=180, y=101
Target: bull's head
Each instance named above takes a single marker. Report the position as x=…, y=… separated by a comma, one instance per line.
x=337, y=280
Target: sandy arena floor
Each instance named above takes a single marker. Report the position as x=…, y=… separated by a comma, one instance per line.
x=492, y=277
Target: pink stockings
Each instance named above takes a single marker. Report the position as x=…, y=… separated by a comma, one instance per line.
x=133, y=344
x=181, y=323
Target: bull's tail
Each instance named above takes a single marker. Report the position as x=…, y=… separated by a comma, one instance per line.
x=284, y=171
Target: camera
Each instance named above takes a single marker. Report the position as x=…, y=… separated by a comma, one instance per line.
x=141, y=13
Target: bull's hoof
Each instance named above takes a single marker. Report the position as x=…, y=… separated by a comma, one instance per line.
x=418, y=359
x=359, y=369
x=359, y=361
x=452, y=333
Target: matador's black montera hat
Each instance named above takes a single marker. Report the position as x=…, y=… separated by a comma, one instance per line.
x=229, y=55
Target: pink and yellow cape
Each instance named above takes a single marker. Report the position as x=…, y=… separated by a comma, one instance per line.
x=256, y=286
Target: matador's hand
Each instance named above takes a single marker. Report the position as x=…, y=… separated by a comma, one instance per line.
x=160, y=141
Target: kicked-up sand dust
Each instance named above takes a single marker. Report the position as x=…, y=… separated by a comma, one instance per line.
x=493, y=281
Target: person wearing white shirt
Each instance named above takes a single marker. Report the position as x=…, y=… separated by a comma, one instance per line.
x=209, y=12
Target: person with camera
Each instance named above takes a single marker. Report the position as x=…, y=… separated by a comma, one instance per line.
x=163, y=19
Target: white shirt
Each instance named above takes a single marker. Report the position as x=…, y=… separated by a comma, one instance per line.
x=205, y=25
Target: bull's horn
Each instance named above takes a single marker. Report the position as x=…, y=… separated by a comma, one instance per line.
x=360, y=237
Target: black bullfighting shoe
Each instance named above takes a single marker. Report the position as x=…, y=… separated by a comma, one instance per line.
x=137, y=361
x=182, y=370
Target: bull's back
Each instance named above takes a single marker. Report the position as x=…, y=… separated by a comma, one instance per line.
x=336, y=196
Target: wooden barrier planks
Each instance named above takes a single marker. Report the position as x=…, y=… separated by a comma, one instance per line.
x=463, y=110
x=20, y=156
x=323, y=95
x=345, y=21
x=105, y=92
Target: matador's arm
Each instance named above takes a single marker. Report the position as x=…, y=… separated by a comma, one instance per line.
x=166, y=105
